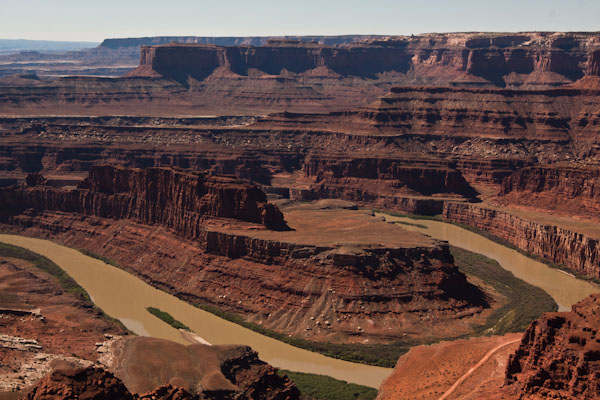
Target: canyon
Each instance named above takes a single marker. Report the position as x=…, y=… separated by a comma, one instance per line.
x=240, y=173
x=339, y=284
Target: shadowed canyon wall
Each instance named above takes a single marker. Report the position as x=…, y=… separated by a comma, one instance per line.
x=175, y=199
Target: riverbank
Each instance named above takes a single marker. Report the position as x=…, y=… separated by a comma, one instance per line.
x=387, y=355
x=564, y=289
x=126, y=297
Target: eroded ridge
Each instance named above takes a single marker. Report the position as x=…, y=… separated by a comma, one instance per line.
x=559, y=355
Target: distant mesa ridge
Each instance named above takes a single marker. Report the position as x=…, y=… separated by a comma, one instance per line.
x=504, y=60
x=229, y=40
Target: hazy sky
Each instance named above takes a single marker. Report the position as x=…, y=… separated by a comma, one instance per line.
x=94, y=20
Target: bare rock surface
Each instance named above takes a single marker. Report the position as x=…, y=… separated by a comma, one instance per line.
x=559, y=355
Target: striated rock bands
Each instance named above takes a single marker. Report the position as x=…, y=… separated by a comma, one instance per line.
x=558, y=245
x=573, y=190
x=553, y=115
x=344, y=177
x=559, y=355
x=175, y=199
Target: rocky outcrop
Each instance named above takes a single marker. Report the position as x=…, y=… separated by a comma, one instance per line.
x=175, y=199
x=365, y=179
x=85, y=384
x=145, y=365
x=561, y=246
x=559, y=355
x=567, y=190
x=246, y=377
x=594, y=64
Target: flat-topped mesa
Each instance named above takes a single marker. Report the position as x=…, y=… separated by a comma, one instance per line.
x=198, y=61
x=559, y=355
x=227, y=40
x=530, y=59
x=173, y=198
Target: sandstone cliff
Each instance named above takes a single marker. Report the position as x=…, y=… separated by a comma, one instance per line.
x=559, y=355
x=531, y=59
x=561, y=246
x=297, y=75
x=565, y=189
x=544, y=115
x=341, y=176
x=175, y=199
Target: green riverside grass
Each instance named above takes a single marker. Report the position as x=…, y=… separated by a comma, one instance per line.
x=321, y=387
x=166, y=317
x=67, y=283
x=525, y=302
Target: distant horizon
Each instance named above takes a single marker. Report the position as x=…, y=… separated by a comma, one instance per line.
x=92, y=21
x=293, y=35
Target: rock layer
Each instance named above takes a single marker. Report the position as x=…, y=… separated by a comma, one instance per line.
x=559, y=355
x=175, y=199
x=529, y=59
x=563, y=189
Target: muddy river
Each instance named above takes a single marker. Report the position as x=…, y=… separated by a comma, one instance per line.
x=564, y=288
x=124, y=296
